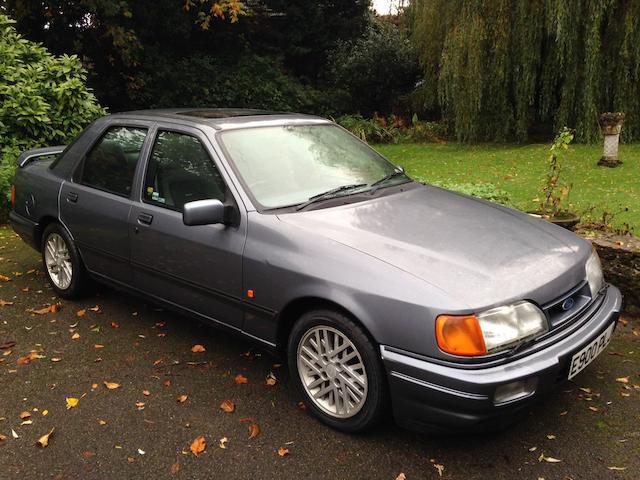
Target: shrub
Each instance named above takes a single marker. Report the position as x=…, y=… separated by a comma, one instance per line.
x=43, y=100
x=370, y=131
x=426, y=131
x=376, y=69
x=246, y=81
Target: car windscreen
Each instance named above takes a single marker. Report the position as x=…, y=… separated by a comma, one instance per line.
x=286, y=165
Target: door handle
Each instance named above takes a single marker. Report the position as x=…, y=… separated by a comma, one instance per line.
x=145, y=218
x=72, y=197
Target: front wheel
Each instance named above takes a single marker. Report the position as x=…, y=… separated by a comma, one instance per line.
x=337, y=369
x=62, y=262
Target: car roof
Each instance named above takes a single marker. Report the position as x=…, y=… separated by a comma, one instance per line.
x=224, y=118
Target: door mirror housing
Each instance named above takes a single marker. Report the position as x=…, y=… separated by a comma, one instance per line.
x=203, y=212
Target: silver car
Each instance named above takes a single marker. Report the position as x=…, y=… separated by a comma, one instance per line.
x=384, y=294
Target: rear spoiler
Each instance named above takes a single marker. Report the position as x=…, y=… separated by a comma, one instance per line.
x=30, y=155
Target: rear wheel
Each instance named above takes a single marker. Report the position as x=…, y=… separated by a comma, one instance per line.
x=62, y=262
x=337, y=370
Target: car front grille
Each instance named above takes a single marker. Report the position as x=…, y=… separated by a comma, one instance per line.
x=568, y=306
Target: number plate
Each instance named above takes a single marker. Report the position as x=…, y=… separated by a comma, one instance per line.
x=588, y=354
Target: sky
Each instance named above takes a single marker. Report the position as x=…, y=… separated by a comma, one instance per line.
x=382, y=6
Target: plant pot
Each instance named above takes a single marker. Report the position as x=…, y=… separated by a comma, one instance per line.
x=566, y=220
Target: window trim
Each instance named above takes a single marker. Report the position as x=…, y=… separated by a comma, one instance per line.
x=78, y=172
x=229, y=196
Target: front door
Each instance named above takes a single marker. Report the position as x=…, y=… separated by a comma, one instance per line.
x=95, y=206
x=198, y=268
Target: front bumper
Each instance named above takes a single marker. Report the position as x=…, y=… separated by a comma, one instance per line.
x=430, y=396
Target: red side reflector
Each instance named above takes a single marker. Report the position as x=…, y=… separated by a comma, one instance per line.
x=13, y=195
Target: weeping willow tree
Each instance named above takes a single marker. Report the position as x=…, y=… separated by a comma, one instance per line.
x=497, y=68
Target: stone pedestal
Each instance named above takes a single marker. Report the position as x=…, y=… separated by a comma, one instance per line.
x=611, y=125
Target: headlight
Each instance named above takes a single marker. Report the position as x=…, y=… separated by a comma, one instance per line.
x=489, y=331
x=504, y=326
x=594, y=274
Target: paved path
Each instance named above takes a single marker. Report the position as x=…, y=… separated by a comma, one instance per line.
x=590, y=425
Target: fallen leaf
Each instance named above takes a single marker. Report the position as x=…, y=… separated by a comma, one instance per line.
x=75, y=336
x=45, y=413
x=102, y=422
x=175, y=468
x=622, y=380
x=551, y=437
x=141, y=452
x=26, y=422
x=301, y=406
x=254, y=430
x=198, y=446
x=439, y=468
x=24, y=415
x=227, y=406
x=111, y=385
x=4, y=303
x=115, y=325
x=95, y=309
x=81, y=313
x=72, y=402
x=182, y=398
x=55, y=359
x=618, y=469
x=43, y=441
x=197, y=349
x=146, y=393
x=223, y=442
x=4, y=278
x=88, y=455
x=27, y=358
x=7, y=345
x=246, y=420
x=2, y=438
x=140, y=405
x=14, y=434
x=542, y=457
x=271, y=379
x=283, y=451
x=240, y=379
x=594, y=409
x=401, y=476
x=97, y=345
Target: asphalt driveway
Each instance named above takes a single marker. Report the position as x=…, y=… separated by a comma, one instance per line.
x=126, y=397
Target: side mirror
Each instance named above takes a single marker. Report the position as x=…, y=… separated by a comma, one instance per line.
x=203, y=212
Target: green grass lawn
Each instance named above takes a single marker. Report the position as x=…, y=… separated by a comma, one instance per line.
x=518, y=170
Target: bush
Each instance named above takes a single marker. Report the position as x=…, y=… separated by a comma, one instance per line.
x=426, y=131
x=248, y=81
x=376, y=69
x=43, y=101
x=366, y=130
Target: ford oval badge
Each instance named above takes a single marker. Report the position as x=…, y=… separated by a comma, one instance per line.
x=568, y=304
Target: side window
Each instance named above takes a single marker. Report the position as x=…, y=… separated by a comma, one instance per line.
x=111, y=163
x=181, y=171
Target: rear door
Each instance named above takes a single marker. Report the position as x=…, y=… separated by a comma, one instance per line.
x=196, y=267
x=96, y=204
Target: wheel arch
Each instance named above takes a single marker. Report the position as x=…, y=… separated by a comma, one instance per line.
x=298, y=306
x=41, y=227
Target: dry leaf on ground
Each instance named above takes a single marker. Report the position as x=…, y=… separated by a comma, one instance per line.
x=283, y=451
x=271, y=379
x=72, y=402
x=81, y=313
x=198, y=349
x=227, y=406
x=43, y=441
x=254, y=430
x=198, y=446
x=111, y=385
x=182, y=398
x=240, y=379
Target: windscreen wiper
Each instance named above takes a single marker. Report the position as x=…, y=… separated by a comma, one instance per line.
x=378, y=183
x=329, y=194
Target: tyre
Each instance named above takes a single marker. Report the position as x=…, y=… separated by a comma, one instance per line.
x=62, y=263
x=337, y=369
